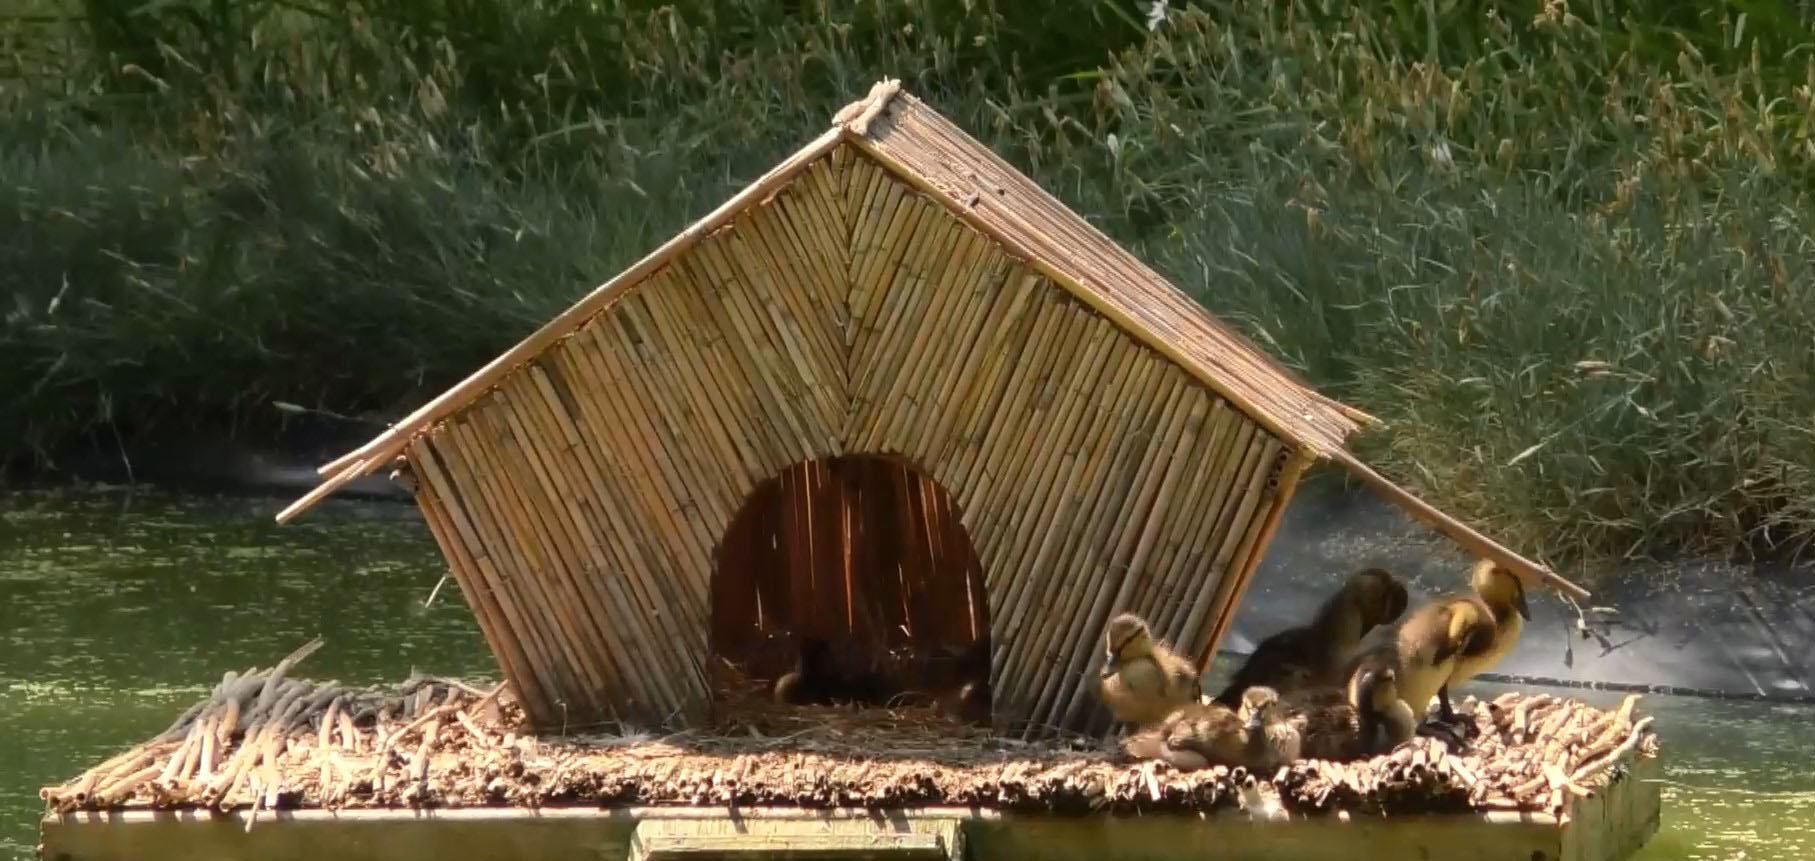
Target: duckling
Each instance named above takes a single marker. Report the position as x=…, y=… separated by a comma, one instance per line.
x=1312, y=655
x=1143, y=680
x=1384, y=721
x=970, y=701
x=819, y=679
x=1503, y=594
x=1275, y=736
x=1328, y=725
x=1193, y=736
x=1422, y=649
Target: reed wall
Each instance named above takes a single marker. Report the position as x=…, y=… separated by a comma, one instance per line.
x=581, y=501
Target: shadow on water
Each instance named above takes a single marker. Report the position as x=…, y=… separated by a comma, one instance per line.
x=117, y=610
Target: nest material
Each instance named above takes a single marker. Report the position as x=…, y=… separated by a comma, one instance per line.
x=264, y=740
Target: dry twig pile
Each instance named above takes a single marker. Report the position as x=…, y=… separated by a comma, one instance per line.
x=264, y=740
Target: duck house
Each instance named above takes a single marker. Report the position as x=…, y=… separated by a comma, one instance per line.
x=892, y=397
x=891, y=391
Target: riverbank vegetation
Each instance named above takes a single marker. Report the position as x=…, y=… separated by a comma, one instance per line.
x=1564, y=252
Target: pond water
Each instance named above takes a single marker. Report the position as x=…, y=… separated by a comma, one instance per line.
x=118, y=609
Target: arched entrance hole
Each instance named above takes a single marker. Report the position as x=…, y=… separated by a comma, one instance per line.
x=867, y=556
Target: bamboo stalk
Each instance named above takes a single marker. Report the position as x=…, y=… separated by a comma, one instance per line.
x=667, y=494
x=710, y=408
x=1001, y=409
x=776, y=309
x=473, y=589
x=387, y=444
x=1219, y=510
x=1083, y=487
x=545, y=488
x=1105, y=489
x=768, y=235
x=912, y=284
x=908, y=226
x=755, y=353
x=929, y=439
x=931, y=348
x=507, y=546
x=699, y=505
x=1238, y=535
x=652, y=370
x=914, y=225
x=1069, y=384
x=539, y=416
x=1073, y=695
x=642, y=633
x=883, y=201
x=1130, y=498
x=919, y=432
x=546, y=551
x=518, y=647
x=735, y=380
x=1256, y=551
x=805, y=220
x=584, y=489
x=827, y=237
x=1109, y=589
x=652, y=584
x=210, y=751
x=984, y=396
x=1040, y=457
x=992, y=478
x=648, y=588
x=1177, y=572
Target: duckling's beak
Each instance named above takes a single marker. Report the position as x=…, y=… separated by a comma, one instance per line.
x=1109, y=668
x=1519, y=601
x=1254, y=721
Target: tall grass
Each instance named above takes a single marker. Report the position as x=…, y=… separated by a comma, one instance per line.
x=1565, y=259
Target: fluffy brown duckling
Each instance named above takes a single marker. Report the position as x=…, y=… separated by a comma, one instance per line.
x=1313, y=655
x=1502, y=593
x=968, y=699
x=1193, y=736
x=1143, y=680
x=1422, y=649
x=820, y=678
x=1275, y=735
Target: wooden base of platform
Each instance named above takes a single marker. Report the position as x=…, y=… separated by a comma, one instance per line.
x=1609, y=825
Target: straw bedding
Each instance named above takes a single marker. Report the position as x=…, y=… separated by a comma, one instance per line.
x=265, y=740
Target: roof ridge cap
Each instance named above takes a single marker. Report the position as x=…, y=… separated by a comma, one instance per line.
x=857, y=116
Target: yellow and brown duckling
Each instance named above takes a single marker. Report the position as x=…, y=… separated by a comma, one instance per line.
x=1422, y=649
x=1143, y=680
x=1313, y=655
x=1502, y=593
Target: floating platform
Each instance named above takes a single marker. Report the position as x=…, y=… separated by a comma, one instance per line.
x=275, y=767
